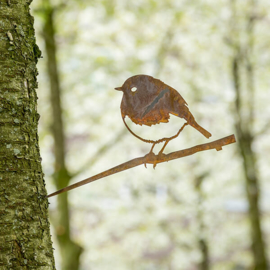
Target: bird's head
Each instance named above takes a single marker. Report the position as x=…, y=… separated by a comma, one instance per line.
x=134, y=83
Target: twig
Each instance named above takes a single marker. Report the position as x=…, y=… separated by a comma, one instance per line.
x=151, y=159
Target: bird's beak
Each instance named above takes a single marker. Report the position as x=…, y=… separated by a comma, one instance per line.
x=118, y=88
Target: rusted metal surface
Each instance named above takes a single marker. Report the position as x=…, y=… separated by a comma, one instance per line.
x=151, y=159
x=149, y=101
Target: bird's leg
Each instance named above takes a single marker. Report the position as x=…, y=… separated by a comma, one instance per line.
x=160, y=153
x=150, y=154
x=151, y=151
x=162, y=149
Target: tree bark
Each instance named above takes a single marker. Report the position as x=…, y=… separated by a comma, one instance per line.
x=69, y=250
x=25, y=241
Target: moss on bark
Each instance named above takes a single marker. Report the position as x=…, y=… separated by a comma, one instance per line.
x=25, y=241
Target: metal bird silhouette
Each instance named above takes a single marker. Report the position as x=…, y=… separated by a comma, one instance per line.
x=149, y=101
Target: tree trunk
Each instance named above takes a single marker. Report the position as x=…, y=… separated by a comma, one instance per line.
x=202, y=240
x=245, y=140
x=69, y=250
x=242, y=63
x=25, y=241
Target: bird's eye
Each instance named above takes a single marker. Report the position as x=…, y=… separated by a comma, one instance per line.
x=133, y=89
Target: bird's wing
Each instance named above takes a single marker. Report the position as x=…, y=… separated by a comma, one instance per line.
x=174, y=93
x=159, y=109
x=155, y=101
x=154, y=113
x=177, y=97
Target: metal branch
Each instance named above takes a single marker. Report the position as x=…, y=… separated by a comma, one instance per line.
x=151, y=159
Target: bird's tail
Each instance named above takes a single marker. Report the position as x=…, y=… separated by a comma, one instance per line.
x=186, y=114
x=200, y=129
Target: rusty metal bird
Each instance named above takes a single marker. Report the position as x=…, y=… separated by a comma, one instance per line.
x=149, y=101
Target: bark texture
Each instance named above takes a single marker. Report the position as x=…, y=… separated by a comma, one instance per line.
x=69, y=250
x=25, y=241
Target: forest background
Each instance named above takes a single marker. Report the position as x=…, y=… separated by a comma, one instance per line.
x=207, y=211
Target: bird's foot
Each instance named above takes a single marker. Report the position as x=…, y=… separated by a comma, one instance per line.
x=160, y=157
x=149, y=158
x=154, y=159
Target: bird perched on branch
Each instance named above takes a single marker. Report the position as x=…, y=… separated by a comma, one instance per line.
x=149, y=101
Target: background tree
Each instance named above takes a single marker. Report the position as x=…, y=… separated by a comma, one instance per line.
x=243, y=74
x=25, y=233
x=70, y=251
